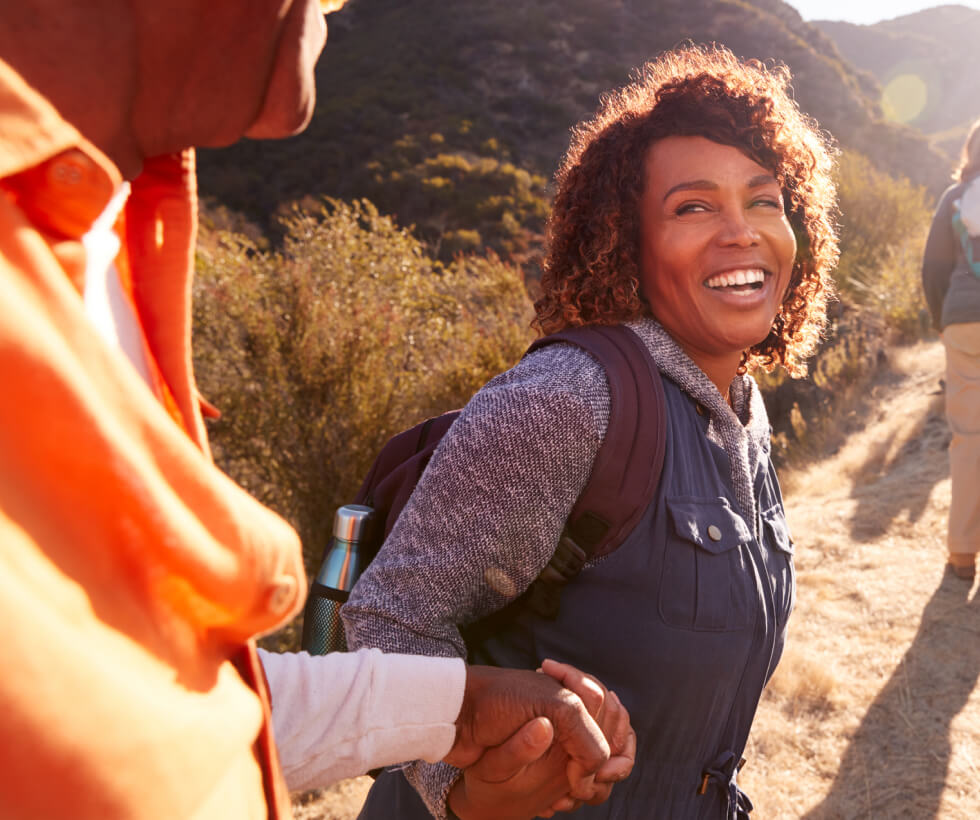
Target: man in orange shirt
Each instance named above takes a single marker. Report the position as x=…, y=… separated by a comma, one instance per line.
x=135, y=574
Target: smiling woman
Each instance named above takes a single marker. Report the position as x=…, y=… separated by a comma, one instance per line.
x=697, y=209
x=603, y=223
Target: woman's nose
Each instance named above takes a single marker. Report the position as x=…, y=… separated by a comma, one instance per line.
x=737, y=229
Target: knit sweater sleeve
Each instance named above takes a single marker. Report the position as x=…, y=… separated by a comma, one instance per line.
x=485, y=517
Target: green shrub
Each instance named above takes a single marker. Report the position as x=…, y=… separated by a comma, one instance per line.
x=461, y=241
x=451, y=190
x=318, y=352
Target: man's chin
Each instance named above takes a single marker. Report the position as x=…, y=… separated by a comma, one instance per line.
x=278, y=122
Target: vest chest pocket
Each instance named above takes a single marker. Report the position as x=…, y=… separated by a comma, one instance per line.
x=707, y=584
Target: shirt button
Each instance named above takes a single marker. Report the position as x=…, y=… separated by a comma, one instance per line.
x=71, y=168
x=282, y=595
x=66, y=174
x=699, y=409
x=714, y=533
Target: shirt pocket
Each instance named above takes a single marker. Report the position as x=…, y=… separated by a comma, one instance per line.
x=779, y=559
x=708, y=584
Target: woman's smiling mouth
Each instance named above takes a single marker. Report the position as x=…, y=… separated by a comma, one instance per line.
x=744, y=280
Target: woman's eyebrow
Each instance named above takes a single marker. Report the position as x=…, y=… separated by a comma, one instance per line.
x=707, y=185
x=693, y=185
x=762, y=179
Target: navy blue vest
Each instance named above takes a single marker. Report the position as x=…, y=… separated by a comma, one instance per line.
x=685, y=622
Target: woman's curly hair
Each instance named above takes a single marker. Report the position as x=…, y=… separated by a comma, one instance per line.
x=591, y=272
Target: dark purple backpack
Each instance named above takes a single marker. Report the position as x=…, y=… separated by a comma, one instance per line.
x=624, y=476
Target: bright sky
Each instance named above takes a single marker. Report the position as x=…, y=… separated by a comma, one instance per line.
x=867, y=11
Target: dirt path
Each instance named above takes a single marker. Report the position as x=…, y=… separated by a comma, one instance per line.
x=873, y=712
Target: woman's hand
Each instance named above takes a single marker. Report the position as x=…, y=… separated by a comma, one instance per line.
x=612, y=717
x=522, y=778
x=498, y=702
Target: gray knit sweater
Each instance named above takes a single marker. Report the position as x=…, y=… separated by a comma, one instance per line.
x=486, y=516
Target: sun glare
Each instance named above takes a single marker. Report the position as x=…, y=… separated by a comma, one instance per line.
x=904, y=97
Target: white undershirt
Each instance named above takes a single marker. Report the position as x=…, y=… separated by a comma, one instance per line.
x=342, y=714
x=106, y=303
x=337, y=715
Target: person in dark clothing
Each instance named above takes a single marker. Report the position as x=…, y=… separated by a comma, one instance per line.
x=697, y=208
x=953, y=295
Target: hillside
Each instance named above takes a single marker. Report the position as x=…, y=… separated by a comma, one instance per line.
x=455, y=121
x=928, y=63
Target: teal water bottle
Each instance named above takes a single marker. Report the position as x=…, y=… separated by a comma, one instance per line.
x=341, y=566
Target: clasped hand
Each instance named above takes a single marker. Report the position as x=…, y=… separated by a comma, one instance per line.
x=531, y=744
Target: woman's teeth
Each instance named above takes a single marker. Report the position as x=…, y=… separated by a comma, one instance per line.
x=735, y=278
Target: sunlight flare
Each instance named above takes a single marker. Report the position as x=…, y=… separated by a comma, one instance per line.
x=904, y=97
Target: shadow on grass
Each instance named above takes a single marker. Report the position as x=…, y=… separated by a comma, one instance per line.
x=897, y=763
x=894, y=481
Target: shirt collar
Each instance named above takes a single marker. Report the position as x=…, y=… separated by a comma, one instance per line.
x=59, y=178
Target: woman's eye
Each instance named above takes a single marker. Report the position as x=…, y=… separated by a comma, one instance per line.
x=769, y=202
x=691, y=207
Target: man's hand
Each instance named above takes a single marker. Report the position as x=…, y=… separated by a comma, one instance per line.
x=520, y=768
x=498, y=702
x=522, y=778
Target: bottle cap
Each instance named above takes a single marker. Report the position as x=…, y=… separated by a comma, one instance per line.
x=351, y=522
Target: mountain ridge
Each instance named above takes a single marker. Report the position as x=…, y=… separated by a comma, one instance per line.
x=931, y=57
x=454, y=122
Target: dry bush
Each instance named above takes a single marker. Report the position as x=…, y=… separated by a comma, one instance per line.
x=884, y=222
x=815, y=414
x=319, y=351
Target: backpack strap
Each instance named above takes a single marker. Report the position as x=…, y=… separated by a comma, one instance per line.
x=395, y=472
x=626, y=471
x=971, y=244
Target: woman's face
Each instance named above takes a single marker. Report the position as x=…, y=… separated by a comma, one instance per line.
x=716, y=249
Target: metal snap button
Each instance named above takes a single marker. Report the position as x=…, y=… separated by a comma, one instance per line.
x=714, y=533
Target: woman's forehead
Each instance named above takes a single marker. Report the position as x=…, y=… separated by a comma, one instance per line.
x=688, y=160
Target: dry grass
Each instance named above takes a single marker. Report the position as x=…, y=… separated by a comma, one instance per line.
x=342, y=801
x=873, y=712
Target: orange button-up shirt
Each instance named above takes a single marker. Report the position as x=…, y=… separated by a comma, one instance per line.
x=133, y=573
